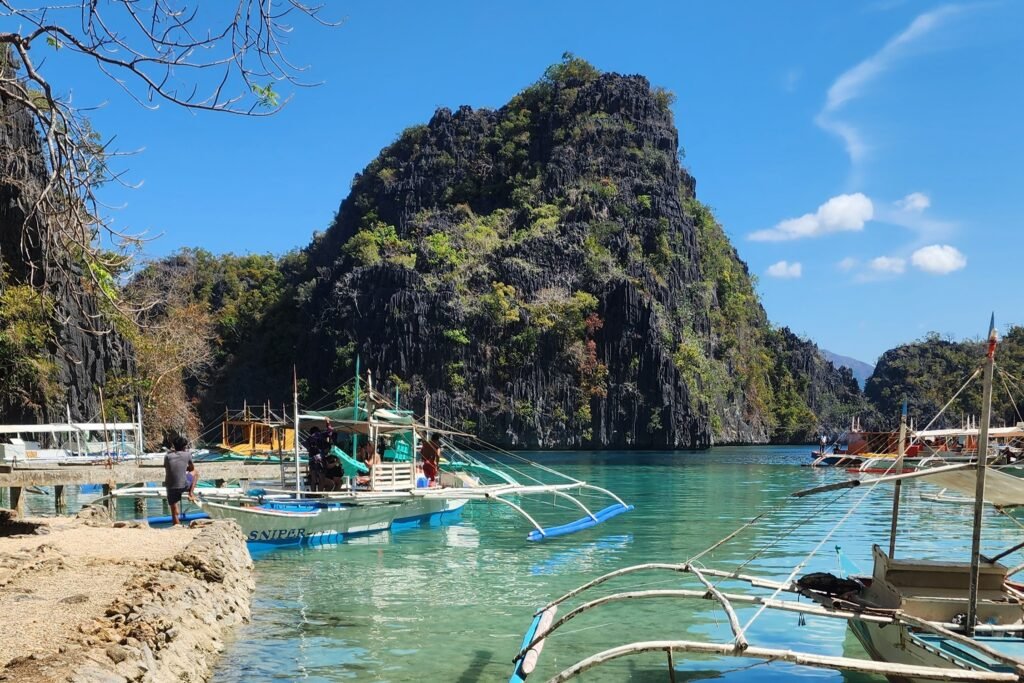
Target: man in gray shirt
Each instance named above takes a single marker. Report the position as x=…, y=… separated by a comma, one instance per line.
x=180, y=476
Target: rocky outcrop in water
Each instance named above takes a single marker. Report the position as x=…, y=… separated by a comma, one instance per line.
x=545, y=273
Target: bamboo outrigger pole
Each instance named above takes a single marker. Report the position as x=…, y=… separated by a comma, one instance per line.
x=979, y=491
x=900, y=451
x=982, y=466
x=295, y=396
x=355, y=414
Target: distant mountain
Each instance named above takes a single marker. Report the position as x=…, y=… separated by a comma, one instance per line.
x=861, y=370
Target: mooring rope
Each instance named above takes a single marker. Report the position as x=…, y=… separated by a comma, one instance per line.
x=803, y=563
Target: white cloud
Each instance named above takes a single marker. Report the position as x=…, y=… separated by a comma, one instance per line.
x=847, y=264
x=938, y=259
x=785, y=269
x=845, y=212
x=915, y=202
x=852, y=83
x=889, y=265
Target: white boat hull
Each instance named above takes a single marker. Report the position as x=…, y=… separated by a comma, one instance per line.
x=275, y=525
x=893, y=643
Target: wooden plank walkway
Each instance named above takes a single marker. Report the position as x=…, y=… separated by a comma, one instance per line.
x=129, y=473
x=59, y=476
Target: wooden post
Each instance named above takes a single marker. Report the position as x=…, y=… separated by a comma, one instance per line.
x=59, y=506
x=900, y=450
x=17, y=501
x=106, y=437
x=295, y=407
x=671, y=667
x=979, y=491
x=108, y=502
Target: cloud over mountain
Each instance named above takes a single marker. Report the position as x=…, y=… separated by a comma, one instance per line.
x=842, y=213
x=785, y=269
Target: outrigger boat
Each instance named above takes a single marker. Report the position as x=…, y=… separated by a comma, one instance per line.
x=864, y=452
x=78, y=443
x=394, y=492
x=918, y=620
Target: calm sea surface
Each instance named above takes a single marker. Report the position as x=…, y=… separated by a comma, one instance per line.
x=451, y=603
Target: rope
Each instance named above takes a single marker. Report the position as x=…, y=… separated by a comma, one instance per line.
x=814, y=551
x=970, y=379
x=789, y=531
x=1002, y=378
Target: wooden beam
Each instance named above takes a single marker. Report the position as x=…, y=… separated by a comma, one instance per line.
x=730, y=613
x=17, y=501
x=800, y=658
x=127, y=473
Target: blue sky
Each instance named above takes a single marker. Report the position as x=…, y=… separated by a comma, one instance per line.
x=866, y=159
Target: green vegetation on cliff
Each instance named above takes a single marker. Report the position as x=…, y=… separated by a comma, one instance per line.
x=764, y=376
x=929, y=372
x=545, y=271
x=28, y=373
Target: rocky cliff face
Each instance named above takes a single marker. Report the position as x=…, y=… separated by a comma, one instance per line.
x=52, y=354
x=928, y=372
x=545, y=273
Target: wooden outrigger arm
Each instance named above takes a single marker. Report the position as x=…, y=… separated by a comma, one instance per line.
x=740, y=647
x=772, y=654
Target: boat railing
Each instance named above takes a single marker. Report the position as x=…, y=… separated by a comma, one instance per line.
x=392, y=476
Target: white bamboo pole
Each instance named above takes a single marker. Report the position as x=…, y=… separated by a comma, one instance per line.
x=520, y=510
x=898, y=486
x=852, y=483
x=689, y=593
x=730, y=613
x=979, y=491
x=295, y=407
x=663, y=566
x=800, y=658
x=140, y=440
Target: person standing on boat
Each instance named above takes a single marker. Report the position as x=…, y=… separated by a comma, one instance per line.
x=314, y=459
x=178, y=465
x=431, y=454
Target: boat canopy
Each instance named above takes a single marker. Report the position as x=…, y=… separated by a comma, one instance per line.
x=993, y=432
x=69, y=428
x=1001, y=489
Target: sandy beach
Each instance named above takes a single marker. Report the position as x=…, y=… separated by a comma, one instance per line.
x=91, y=600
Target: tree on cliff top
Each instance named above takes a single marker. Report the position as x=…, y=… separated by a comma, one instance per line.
x=221, y=57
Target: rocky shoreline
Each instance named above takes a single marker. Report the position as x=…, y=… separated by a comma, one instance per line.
x=94, y=601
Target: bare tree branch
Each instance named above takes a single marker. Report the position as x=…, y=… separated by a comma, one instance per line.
x=213, y=56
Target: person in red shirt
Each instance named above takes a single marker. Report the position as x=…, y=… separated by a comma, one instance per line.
x=431, y=454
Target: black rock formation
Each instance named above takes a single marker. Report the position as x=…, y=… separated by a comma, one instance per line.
x=539, y=270
x=79, y=353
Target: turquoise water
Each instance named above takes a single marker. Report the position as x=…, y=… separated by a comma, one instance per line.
x=452, y=603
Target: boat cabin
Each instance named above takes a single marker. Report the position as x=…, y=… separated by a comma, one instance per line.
x=250, y=434
x=937, y=590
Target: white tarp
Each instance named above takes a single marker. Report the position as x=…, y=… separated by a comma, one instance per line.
x=1001, y=489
